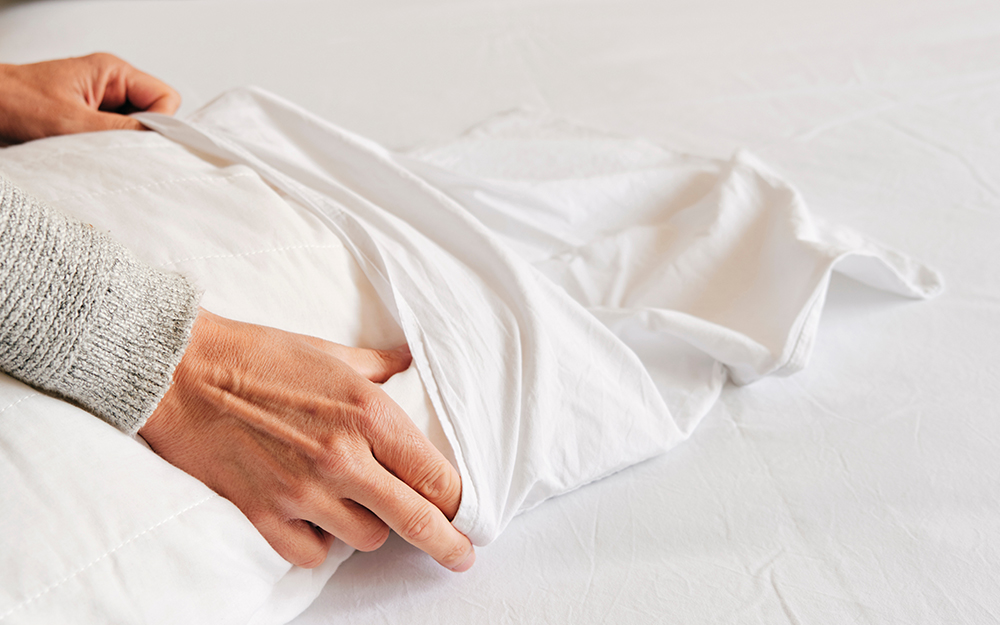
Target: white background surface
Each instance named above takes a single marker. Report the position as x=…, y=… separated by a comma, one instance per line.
x=864, y=489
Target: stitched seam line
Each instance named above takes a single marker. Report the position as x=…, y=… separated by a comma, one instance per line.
x=99, y=558
x=254, y=253
x=8, y=406
x=36, y=154
x=27, y=157
x=153, y=185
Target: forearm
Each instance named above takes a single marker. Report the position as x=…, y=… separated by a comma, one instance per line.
x=82, y=318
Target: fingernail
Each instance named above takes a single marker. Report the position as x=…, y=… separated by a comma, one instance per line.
x=467, y=563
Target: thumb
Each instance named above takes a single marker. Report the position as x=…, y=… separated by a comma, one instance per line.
x=378, y=365
x=92, y=121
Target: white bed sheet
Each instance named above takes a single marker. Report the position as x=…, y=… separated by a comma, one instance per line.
x=864, y=489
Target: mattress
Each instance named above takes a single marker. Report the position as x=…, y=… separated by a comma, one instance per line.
x=862, y=489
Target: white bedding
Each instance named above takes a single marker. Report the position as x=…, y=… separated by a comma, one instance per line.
x=860, y=490
x=571, y=318
x=527, y=301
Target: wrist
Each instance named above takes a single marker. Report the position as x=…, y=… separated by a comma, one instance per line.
x=193, y=366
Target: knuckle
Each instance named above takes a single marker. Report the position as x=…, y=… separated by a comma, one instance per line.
x=101, y=58
x=374, y=539
x=455, y=556
x=419, y=526
x=372, y=408
x=299, y=494
x=338, y=458
x=436, y=485
x=97, y=59
x=309, y=558
x=368, y=403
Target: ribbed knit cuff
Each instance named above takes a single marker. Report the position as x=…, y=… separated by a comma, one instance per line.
x=82, y=318
x=125, y=360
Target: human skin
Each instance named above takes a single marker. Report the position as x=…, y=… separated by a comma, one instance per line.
x=297, y=433
x=292, y=429
x=77, y=95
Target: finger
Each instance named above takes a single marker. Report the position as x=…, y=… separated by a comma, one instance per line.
x=119, y=85
x=150, y=94
x=93, y=121
x=399, y=446
x=294, y=539
x=416, y=521
x=350, y=522
x=378, y=365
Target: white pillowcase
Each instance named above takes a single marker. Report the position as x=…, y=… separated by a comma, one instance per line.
x=573, y=302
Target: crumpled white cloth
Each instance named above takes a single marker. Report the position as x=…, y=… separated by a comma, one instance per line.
x=574, y=302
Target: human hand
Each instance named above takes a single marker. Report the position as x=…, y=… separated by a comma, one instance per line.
x=295, y=432
x=84, y=94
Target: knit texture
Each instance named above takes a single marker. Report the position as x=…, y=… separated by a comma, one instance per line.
x=82, y=318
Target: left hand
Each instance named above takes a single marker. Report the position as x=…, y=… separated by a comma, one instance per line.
x=85, y=94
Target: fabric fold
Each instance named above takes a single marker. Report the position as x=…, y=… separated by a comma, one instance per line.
x=574, y=302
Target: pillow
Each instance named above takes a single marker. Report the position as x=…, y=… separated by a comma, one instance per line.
x=95, y=527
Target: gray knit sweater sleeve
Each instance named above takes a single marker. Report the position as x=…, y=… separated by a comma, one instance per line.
x=82, y=318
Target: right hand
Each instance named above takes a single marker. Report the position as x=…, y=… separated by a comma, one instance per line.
x=295, y=431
